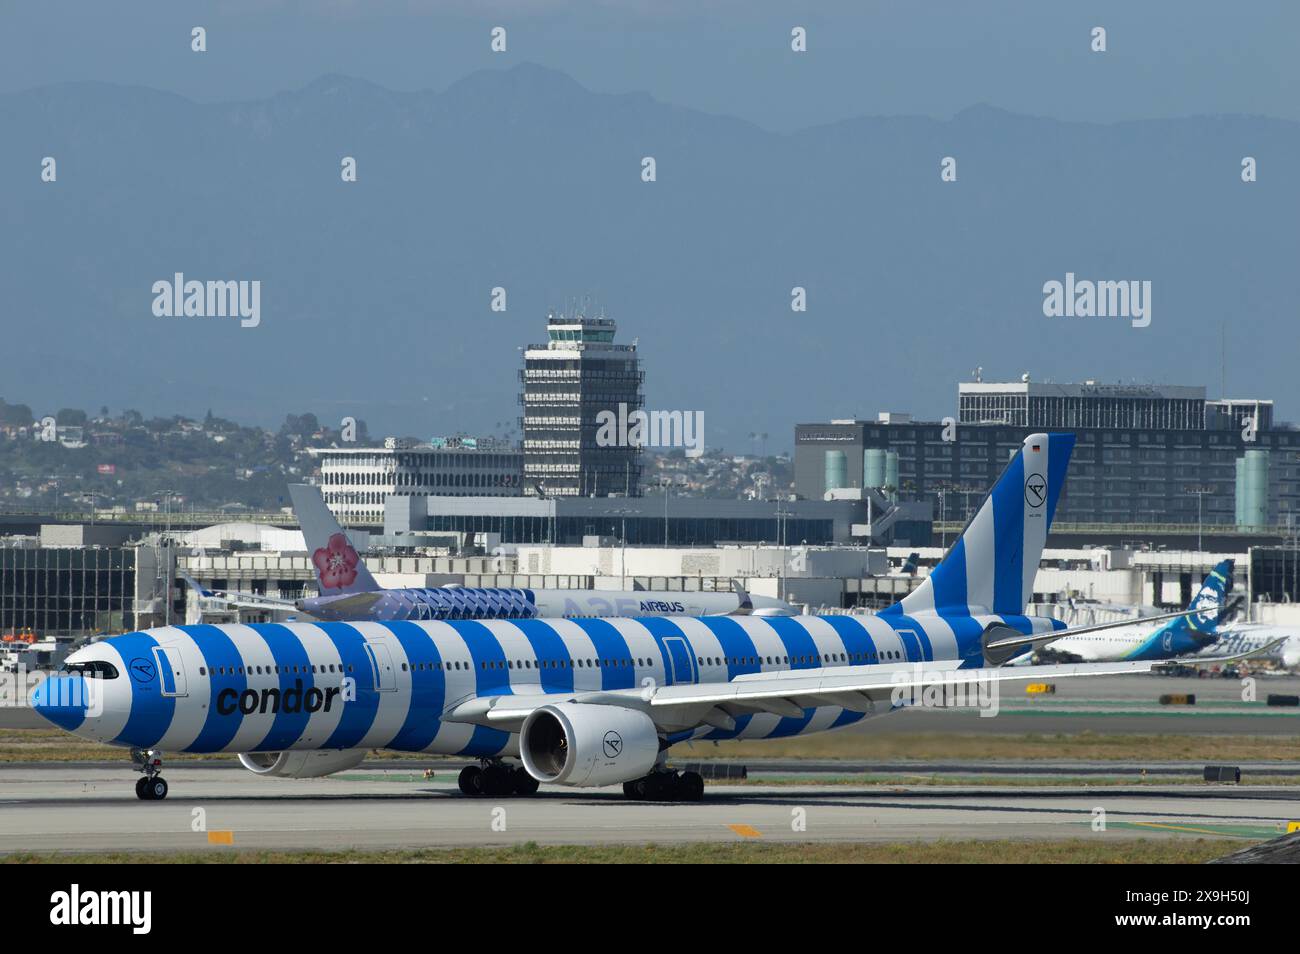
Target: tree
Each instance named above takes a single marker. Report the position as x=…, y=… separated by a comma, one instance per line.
x=304, y=425
x=19, y=415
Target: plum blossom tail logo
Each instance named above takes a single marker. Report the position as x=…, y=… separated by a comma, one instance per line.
x=336, y=562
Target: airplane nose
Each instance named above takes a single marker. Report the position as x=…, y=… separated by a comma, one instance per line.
x=62, y=700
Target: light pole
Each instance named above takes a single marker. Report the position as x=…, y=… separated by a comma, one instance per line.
x=667, y=484
x=1200, y=492
x=164, y=557
x=93, y=495
x=622, y=513
x=943, y=515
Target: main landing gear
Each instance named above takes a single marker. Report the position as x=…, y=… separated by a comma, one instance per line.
x=665, y=785
x=152, y=787
x=493, y=778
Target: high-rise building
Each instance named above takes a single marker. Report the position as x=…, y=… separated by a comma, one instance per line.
x=1146, y=454
x=566, y=383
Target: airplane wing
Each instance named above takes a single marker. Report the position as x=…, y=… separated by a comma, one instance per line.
x=234, y=598
x=359, y=603
x=787, y=693
x=790, y=692
x=1263, y=650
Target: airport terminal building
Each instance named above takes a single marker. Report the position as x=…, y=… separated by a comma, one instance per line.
x=355, y=481
x=1146, y=454
x=657, y=521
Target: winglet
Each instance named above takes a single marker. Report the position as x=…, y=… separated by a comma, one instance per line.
x=746, y=603
x=195, y=585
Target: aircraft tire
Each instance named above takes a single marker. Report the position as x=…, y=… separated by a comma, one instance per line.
x=498, y=782
x=525, y=784
x=690, y=787
x=471, y=781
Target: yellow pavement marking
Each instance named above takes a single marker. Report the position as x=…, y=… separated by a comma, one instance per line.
x=1199, y=831
x=746, y=831
x=221, y=838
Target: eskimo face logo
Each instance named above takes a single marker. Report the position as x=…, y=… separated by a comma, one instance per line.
x=1169, y=642
x=1207, y=607
x=613, y=744
x=1035, y=490
x=142, y=670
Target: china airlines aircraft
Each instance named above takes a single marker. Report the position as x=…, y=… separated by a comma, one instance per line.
x=349, y=592
x=581, y=702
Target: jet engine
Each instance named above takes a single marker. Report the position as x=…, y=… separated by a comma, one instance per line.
x=308, y=764
x=587, y=745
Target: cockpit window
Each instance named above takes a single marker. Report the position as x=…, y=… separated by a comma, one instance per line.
x=97, y=668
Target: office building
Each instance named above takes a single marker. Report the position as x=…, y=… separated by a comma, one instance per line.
x=1146, y=454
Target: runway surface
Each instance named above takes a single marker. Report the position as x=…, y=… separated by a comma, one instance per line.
x=90, y=808
x=1113, y=705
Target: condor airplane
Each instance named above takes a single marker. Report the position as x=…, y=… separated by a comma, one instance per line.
x=349, y=592
x=581, y=702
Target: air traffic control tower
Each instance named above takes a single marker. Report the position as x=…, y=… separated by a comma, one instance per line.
x=566, y=383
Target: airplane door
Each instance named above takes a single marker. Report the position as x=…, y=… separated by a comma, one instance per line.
x=683, y=670
x=171, y=670
x=911, y=645
x=381, y=661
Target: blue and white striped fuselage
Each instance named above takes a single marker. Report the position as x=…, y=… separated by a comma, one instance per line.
x=365, y=685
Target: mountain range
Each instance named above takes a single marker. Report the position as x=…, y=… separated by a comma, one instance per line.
x=376, y=294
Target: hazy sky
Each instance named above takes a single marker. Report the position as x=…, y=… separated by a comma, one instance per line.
x=1165, y=58
x=933, y=57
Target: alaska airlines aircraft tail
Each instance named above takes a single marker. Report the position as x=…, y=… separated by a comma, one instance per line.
x=338, y=567
x=991, y=567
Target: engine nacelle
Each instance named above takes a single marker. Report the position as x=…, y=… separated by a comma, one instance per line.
x=307, y=764
x=588, y=745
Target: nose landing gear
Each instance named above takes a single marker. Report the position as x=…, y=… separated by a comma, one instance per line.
x=152, y=787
